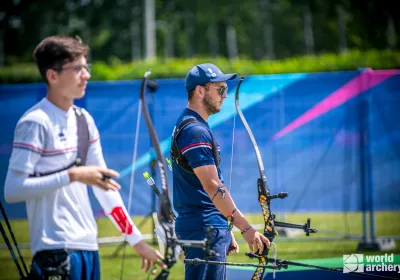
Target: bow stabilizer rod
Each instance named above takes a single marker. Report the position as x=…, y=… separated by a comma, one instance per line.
x=279, y=264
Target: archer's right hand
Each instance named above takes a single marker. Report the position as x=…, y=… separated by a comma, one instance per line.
x=149, y=256
x=256, y=240
x=95, y=176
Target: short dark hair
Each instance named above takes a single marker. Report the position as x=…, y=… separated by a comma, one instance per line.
x=190, y=94
x=55, y=51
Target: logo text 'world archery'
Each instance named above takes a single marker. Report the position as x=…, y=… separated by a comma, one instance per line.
x=367, y=263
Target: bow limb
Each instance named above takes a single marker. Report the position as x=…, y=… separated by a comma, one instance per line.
x=165, y=209
x=263, y=192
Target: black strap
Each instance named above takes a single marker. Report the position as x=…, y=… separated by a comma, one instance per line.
x=41, y=174
x=83, y=136
x=83, y=144
x=176, y=155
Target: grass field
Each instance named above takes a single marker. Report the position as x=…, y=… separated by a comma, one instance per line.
x=328, y=224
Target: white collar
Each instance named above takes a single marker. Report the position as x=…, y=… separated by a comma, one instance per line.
x=57, y=109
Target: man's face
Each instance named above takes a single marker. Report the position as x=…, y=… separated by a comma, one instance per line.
x=215, y=93
x=71, y=79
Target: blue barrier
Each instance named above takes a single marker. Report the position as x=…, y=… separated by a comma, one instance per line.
x=306, y=126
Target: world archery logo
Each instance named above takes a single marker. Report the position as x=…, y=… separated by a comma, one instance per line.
x=353, y=263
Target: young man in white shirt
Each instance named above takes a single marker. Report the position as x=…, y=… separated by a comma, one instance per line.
x=47, y=142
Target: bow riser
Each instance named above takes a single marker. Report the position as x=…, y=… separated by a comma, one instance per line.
x=265, y=202
x=163, y=275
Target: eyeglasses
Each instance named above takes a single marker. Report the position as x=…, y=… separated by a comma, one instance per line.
x=76, y=68
x=222, y=90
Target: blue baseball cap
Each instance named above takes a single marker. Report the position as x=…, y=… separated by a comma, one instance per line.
x=205, y=73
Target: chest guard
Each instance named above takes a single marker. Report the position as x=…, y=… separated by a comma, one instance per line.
x=176, y=155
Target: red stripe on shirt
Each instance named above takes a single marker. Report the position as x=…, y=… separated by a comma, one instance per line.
x=196, y=144
x=19, y=144
x=45, y=152
x=97, y=136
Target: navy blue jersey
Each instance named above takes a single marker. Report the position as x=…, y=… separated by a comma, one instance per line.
x=192, y=203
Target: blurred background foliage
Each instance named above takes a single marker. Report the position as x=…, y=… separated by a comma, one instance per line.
x=250, y=37
x=178, y=67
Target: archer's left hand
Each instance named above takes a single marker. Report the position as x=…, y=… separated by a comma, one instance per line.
x=234, y=247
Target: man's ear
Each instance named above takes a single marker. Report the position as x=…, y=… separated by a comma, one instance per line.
x=51, y=76
x=199, y=91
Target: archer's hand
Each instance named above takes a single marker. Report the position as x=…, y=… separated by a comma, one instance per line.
x=256, y=240
x=95, y=176
x=150, y=257
x=234, y=247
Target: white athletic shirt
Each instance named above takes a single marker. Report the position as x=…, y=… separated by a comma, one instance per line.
x=59, y=212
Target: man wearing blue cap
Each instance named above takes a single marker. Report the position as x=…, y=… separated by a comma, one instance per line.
x=200, y=198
